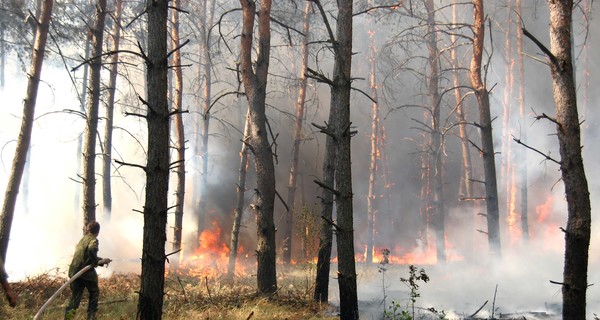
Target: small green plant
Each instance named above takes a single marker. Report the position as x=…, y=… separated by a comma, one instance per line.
x=395, y=310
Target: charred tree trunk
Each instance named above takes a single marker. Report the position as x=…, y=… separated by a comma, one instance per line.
x=110, y=108
x=178, y=109
x=577, y=233
x=91, y=128
x=522, y=156
x=239, y=208
x=206, y=66
x=288, y=220
x=24, y=140
x=254, y=78
x=340, y=101
x=321, y=292
x=485, y=126
x=436, y=139
x=157, y=168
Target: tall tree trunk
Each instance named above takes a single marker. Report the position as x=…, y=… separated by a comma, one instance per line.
x=436, y=139
x=371, y=194
x=110, y=108
x=207, y=17
x=157, y=168
x=82, y=103
x=2, y=55
x=292, y=182
x=340, y=100
x=254, y=78
x=321, y=292
x=467, y=167
x=485, y=126
x=178, y=109
x=239, y=208
x=577, y=233
x=24, y=140
x=522, y=156
x=91, y=128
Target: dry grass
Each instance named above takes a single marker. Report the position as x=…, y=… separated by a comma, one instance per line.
x=186, y=297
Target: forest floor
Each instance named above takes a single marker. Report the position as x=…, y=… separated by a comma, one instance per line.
x=205, y=294
x=187, y=296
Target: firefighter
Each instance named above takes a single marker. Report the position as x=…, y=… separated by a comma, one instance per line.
x=86, y=253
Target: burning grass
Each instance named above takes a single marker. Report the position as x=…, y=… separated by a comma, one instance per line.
x=186, y=297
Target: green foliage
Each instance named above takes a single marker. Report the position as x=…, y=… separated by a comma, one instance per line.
x=397, y=311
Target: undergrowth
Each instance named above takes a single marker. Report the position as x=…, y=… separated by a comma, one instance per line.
x=185, y=297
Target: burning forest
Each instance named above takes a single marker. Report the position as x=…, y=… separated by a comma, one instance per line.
x=374, y=159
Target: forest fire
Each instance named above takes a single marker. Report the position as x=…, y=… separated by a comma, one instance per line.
x=211, y=257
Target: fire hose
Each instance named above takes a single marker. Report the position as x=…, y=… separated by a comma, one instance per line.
x=73, y=278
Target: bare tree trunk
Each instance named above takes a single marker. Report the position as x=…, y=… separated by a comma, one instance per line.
x=371, y=196
x=340, y=100
x=178, y=108
x=110, y=108
x=83, y=101
x=207, y=17
x=485, y=126
x=157, y=168
x=467, y=167
x=24, y=140
x=254, y=77
x=321, y=292
x=436, y=139
x=239, y=208
x=2, y=55
x=577, y=233
x=292, y=183
x=91, y=128
x=522, y=156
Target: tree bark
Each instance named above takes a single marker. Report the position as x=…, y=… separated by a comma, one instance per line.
x=436, y=135
x=24, y=140
x=157, y=168
x=522, y=156
x=577, y=233
x=206, y=71
x=239, y=208
x=254, y=78
x=340, y=101
x=180, y=133
x=110, y=107
x=371, y=193
x=91, y=128
x=485, y=126
x=288, y=220
x=467, y=166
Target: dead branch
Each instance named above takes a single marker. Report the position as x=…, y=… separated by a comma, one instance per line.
x=542, y=47
x=326, y=187
x=318, y=76
x=331, y=223
x=178, y=48
x=391, y=7
x=131, y=165
x=481, y=231
x=282, y=201
x=546, y=156
x=476, y=312
x=325, y=130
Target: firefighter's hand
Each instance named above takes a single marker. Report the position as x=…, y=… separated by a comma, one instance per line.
x=12, y=298
x=104, y=262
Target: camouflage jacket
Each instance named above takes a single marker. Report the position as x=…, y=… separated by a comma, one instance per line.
x=86, y=253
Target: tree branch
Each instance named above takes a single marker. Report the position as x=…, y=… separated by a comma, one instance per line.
x=547, y=156
x=542, y=47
